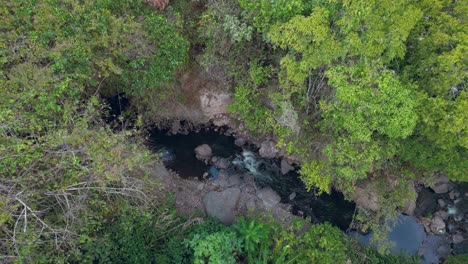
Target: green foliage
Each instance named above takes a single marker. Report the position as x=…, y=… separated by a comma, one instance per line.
x=368, y=102
x=436, y=63
x=267, y=241
x=371, y=256
x=458, y=259
x=136, y=237
x=312, y=174
x=265, y=13
x=219, y=247
x=258, y=239
x=248, y=107
x=322, y=243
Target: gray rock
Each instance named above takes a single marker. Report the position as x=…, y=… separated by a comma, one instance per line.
x=452, y=195
x=366, y=198
x=442, y=179
x=221, y=163
x=248, y=188
x=234, y=180
x=410, y=206
x=251, y=204
x=205, y=175
x=460, y=248
x=441, y=203
x=161, y=171
x=443, y=214
x=437, y=225
x=203, y=152
x=222, y=183
x=443, y=250
x=457, y=238
x=249, y=178
x=222, y=205
x=285, y=167
x=292, y=196
x=175, y=127
x=269, y=197
x=441, y=188
x=240, y=141
x=268, y=149
x=200, y=186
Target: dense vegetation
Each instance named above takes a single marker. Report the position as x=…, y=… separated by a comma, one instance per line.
x=356, y=90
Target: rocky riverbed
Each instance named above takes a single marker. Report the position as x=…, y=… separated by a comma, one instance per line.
x=225, y=177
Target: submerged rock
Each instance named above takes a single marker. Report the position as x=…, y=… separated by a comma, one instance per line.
x=222, y=205
x=292, y=196
x=214, y=173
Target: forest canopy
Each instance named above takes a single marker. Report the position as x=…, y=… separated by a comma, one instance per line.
x=355, y=91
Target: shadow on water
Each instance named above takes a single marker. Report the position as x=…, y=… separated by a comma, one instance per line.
x=178, y=154
x=178, y=151
x=331, y=207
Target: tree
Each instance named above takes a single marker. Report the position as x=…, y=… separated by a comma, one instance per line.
x=436, y=63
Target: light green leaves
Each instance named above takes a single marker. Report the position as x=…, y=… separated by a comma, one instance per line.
x=367, y=102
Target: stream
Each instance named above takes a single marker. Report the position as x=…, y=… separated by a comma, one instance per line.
x=178, y=155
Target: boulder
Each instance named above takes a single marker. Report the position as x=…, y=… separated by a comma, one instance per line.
x=175, y=127
x=366, y=198
x=268, y=149
x=460, y=248
x=457, y=238
x=247, y=188
x=441, y=203
x=203, y=152
x=443, y=214
x=234, y=180
x=437, y=225
x=441, y=188
x=222, y=205
x=250, y=204
x=285, y=167
x=161, y=171
x=411, y=204
x=269, y=197
x=240, y=141
x=221, y=163
x=214, y=103
x=454, y=195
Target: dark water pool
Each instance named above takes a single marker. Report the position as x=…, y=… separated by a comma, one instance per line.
x=331, y=207
x=179, y=150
